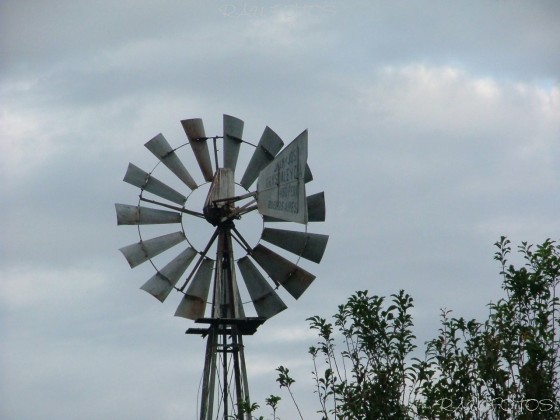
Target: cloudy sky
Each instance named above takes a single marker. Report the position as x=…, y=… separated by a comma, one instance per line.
x=434, y=128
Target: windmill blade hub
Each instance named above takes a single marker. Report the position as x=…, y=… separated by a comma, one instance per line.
x=217, y=209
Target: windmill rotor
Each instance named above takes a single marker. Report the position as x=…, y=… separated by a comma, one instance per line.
x=204, y=268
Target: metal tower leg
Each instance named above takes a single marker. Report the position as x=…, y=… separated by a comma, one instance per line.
x=208, y=381
x=225, y=336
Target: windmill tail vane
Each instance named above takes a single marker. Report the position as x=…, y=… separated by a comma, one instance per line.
x=210, y=293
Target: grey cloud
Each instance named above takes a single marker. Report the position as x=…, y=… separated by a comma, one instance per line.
x=430, y=128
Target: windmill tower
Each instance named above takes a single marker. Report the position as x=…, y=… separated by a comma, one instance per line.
x=209, y=274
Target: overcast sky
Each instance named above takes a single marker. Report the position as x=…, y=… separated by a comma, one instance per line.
x=434, y=128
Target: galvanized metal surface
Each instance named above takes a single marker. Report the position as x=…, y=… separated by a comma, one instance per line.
x=245, y=326
x=163, y=151
x=138, y=215
x=142, y=251
x=224, y=338
x=193, y=304
x=223, y=186
x=266, y=301
x=316, y=210
x=209, y=376
x=310, y=246
x=281, y=185
x=141, y=179
x=233, y=133
x=194, y=129
x=268, y=147
x=308, y=177
x=280, y=195
x=282, y=271
x=239, y=302
x=161, y=284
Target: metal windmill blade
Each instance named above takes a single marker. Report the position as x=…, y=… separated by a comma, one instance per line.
x=142, y=179
x=165, y=153
x=138, y=215
x=163, y=282
x=266, y=300
x=142, y=251
x=193, y=304
x=205, y=276
x=282, y=271
x=194, y=128
x=310, y=246
x=269, y=145
x=233, y=133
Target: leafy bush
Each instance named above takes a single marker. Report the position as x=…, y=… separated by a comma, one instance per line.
x=505, y=367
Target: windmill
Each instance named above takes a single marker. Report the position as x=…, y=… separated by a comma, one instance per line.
x=207, y=273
